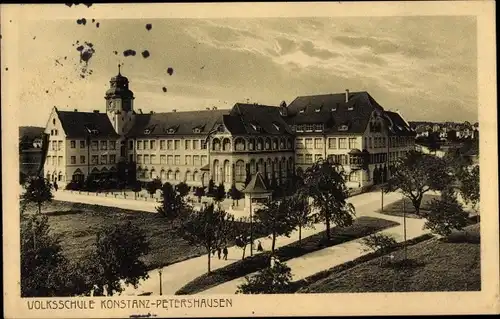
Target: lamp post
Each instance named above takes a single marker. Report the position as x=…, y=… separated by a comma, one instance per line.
x=251, y=226
x=159, y=272
x=404, y=227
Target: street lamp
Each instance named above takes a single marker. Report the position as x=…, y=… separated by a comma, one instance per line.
x=159, y=272
x=404, y=226
x=251, y=226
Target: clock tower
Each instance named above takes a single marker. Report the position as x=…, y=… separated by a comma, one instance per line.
x=119, y=103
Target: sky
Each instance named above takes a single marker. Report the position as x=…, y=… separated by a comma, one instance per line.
x=425, y=67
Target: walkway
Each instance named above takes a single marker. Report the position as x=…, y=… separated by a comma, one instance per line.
x=324, y=259
x=177, y=275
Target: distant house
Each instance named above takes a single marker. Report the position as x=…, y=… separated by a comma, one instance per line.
x=30, y=149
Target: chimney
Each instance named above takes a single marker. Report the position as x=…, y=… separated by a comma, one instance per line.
x=214, y=108
x=346, y=95
x=96, y=111
x=208, y=108
x=140, y=111
x=76, y=110
x=174, y=110
x=151, y=112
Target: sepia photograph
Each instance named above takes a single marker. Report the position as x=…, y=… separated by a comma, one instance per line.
x=177, y=161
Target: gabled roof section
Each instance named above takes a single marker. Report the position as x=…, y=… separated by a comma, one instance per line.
x=256, y=185
x=255, y=119
x=84, y=124
x=397, y=125
x=176, y=123
x=333, y=111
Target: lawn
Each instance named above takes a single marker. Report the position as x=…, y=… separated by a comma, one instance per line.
x=451, y=264
x=362, y=226
x=77, y=224
x=396, y=208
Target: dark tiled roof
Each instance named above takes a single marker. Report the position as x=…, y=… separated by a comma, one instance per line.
x=78, y=124
x=244, y=118
x=333, y=111
x=256, y=185
x=181, y=123
x=397, y=125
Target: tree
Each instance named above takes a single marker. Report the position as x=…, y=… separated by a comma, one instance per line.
x=300, y=213
x=136, y=187
x=235, y=194
x=211, y=188
x=220, y=193
x=379, y=242
x=208, y=228
x=416, y=173
x=153, y=186
x=445, y=214
x=276, y=218
x=45, y=271
x=171, y=202
x=241, y=230
x=116, y=258
x=469, y=186
x=183, y=189
x=199, y=192
x=270, y=280
x=325, y=184
x=37, y=190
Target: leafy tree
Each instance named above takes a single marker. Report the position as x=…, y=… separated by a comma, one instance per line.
x=116, y=258
x=153, y=186
x=136, y=187
x=37, y=190
x=445, y=214
x=276, y=217
x=45, y=271
x=271, y=280
x=211, y=188
x=379, y=242
x=199, y=192
x=241, y=231
x=208, y=228
x=416, y=173
x=469, y=186
x=183, y=189
x=171, y=204
x=300, y=213
x=23, y=178
x=220, y=193
x=325, y=184
x=235, y=194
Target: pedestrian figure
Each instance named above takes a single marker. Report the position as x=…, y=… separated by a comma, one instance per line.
x=218, y=252
x=225, y=253
x=213, y=252
x=259, y=247
x=56, y=186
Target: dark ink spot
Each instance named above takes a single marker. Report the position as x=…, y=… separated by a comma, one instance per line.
x=115, y=52
x=97, y=25
x=34, y=37
x=145, y=54
x=202, y=67
x=164, y=89
x=93, y=20
x=170, y=71
x=82, y=76
x=129, y=52
x=77, y=41
x=149, y=26
x=80, y=48
x=65, y=57
x=46, y=91
x=6, y=69
x=81, y=21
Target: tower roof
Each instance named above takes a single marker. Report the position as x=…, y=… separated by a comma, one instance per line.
x=256, y=185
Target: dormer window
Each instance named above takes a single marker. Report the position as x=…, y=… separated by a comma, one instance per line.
x=147, y=131
x=276, y=126
x=318, y=127
x=302, y=111
x=220, y=128
x=255, y=126
x=196, y=130
x=300, y=128
x=343, y=127
x=350, y=107
x=94, y=131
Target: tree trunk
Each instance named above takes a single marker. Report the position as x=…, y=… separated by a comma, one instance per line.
x=244, y=249
x=300, y=234
x=416, y=204
x=208, y=255
x=39, y=207
x=327, y=222
x=274, y=242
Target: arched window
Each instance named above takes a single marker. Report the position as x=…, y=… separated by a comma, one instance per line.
x=289, y=143
x=163, y=175
x=268, y=143
x=290, y=163
x=216, y=172
x=269, y=168
x=239, y=144
x=226, y=145
x=196, y=176
x=215, y=144
x=275, y=143
x=189, y=176
x=145, y=173
x=253, y=167
x=251, y=144
x=239, y=173
x=170, y=175
x=260, y=166
x=177, y=175
x=60, y=177
x=152, y=174
x=260, y=143
x=282, y=143
x=227, y=172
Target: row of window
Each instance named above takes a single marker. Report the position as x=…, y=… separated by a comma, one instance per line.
x=333, y=143
x=169, y=175
x=104, y=145
x=169, y=145
x=307, y=158
x=195, y=160
x=105, y=159
x=308, y=127
x=252, y=144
